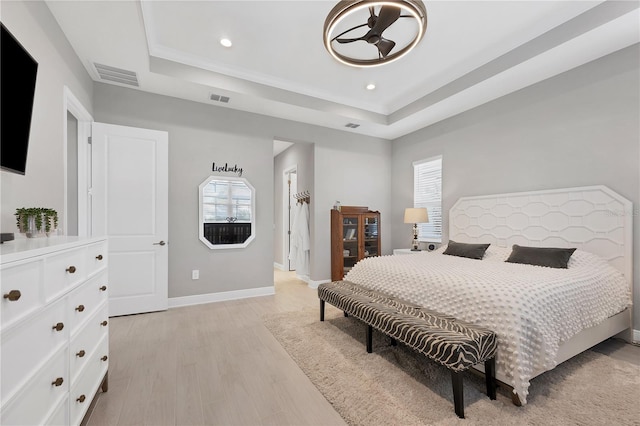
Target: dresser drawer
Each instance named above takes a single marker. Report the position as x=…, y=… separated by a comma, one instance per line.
x=22, y=290
x=28, y=345
x=85, y=343
x=96, y=257
x=85, y=300
x=34, y=404
x=83, y=391
x=63, y=271
x=60, y=415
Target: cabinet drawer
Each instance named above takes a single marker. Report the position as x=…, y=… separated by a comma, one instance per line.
x=85, y=300
x=83, y=391
x=85, y=344
x=96, y=257
x=22, y=290
x=63, y=271
x=34, y=404
x=28, y=345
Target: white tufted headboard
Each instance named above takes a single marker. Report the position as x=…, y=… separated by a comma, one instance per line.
x=593, y=219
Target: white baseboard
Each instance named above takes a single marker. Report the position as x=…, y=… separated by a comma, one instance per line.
x=636, y=336
x=199, y=299
x=314, y=284
x=278, y=266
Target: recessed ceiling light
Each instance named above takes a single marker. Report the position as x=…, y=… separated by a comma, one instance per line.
x=371, y=86
x=226, y=42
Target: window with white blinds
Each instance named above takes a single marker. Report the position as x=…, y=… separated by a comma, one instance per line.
x=427, y=192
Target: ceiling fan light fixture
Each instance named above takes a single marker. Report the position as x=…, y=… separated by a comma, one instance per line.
x=386, y=15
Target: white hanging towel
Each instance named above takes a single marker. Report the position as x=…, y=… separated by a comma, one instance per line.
x=293, y=238
x=300, y=244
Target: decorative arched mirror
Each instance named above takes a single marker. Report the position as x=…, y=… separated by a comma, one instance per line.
x=227, y=212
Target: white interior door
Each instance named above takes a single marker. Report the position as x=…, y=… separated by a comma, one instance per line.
x=129, y=200
x=293, y=188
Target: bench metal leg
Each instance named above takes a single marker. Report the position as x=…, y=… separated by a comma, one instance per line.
x=369, y=339
x=490, y=377
x=458, y=399
x=321, y=310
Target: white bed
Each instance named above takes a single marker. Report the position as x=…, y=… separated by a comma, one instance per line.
x=593, y=295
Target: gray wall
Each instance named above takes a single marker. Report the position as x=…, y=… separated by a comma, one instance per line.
x=300, y=155
x=200, y=134
x=43, y=184
x=577, y=129
x=355, y=175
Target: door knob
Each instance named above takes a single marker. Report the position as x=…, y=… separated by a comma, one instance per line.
x=161, y=243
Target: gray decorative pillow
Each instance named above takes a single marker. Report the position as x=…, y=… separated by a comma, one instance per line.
x=471, y=251
x=541, y=256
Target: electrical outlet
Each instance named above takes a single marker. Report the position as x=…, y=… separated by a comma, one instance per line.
x=195, y=274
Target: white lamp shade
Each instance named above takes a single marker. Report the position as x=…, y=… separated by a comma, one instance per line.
x=416, y=215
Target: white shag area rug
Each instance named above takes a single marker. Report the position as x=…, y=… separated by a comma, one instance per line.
x=396, y=386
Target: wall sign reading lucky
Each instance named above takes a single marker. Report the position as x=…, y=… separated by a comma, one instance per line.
x=226, y=168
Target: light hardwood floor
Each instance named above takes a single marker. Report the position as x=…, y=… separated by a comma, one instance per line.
x=217, y=364
x=213, y=364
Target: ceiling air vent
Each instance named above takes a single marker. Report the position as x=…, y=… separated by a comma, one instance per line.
x=352, y=125
x=218, y=98
x=117, y=75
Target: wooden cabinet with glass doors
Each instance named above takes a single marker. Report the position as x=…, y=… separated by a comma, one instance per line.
x=355, y=234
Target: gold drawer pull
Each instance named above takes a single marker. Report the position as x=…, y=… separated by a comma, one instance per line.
x=57, y=382
x=104, y=358
x=80, y=354
x=71, y=269
x=103, y=288
x=104, y=323
x=13, y=295
x=81, y=399
x=99, y=257
x=80, y=308
x=58, y=327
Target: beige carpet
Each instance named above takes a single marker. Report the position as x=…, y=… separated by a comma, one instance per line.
x=395, y=386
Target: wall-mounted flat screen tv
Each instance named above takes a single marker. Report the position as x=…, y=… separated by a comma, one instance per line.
x=17, y=87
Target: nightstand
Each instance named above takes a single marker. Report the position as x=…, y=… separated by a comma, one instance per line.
x=405, y=251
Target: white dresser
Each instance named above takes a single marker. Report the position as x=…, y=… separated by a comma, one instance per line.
x=54, y=332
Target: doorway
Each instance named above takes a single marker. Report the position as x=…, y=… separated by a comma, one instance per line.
x=77, y=166
x=290, y=189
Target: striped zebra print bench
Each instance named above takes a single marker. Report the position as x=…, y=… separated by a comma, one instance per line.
x=454, y=344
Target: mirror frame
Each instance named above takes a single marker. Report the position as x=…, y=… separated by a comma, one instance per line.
x=201, y=213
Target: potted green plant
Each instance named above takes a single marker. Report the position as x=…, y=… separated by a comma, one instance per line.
x=36, y=221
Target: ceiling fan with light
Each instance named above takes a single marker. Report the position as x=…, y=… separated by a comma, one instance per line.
x=348, y=12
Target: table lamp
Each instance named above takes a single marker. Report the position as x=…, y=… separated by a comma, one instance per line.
x=415, y=216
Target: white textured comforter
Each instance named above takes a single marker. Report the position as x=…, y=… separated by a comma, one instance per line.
x=532, y=309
